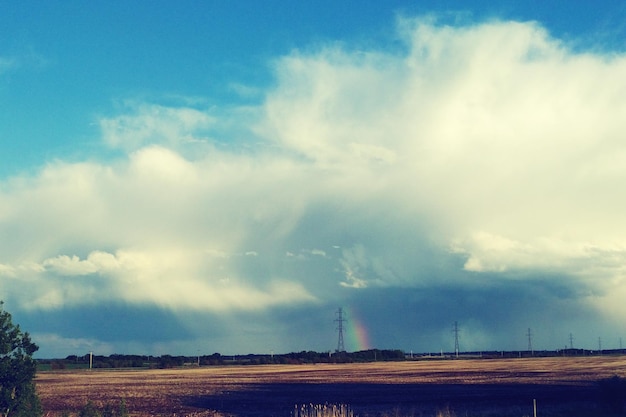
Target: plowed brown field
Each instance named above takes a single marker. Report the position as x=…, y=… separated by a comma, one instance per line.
x=414, y=388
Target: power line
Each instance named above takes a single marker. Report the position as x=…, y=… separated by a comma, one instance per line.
x=340, y=321
x=455, y=330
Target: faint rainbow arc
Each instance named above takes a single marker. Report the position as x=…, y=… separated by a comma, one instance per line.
x=356, y=332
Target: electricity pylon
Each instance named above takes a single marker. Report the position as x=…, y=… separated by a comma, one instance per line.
x=340, y=320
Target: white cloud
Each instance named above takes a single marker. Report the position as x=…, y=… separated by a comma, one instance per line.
x=355, y=263
x=7, y=271
x=155, y=124
x=66, y=265
x=492, y=142
x=245, y=91
x=496, y=134
x=168, y=277
x=489, y=253
x=318, y=252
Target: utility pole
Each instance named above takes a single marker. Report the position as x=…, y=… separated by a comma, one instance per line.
x=530, y=342
x=455, y=330
x=340, y=321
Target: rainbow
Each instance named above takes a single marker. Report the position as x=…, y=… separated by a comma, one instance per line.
x=357, y=336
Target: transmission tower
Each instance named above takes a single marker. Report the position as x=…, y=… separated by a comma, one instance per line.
x=571, y=341
x=530, y=342
x=455, y=330
x=340, y=321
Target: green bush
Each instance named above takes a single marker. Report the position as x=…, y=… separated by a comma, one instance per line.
x=18, y=397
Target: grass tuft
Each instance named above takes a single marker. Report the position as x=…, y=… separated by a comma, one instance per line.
x=445, y=412
x=322, y=410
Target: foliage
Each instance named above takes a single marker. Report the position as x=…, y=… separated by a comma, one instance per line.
x=18, y=397
x=169, y=361
x=90, y=410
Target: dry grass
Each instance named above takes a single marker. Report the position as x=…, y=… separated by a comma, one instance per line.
x=322, y=410
x=371, y=388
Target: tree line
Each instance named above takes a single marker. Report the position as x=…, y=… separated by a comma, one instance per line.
x=172, y=361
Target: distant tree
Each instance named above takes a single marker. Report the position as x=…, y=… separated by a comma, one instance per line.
x=18, y=397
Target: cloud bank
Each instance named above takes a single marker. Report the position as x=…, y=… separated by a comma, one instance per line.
x=476, y=160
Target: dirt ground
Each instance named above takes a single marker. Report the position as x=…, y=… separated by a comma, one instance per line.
x=478, y=387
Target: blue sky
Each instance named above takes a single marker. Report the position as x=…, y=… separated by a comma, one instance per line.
x=222, y=175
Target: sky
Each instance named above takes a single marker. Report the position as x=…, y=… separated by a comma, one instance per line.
x=221, y=176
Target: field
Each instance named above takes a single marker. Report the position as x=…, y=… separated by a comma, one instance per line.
x=478, y=387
